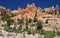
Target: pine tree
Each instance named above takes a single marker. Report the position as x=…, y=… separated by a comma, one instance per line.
x=39, y=25
x=30, y=20
x=27, y=21
x=35, y=17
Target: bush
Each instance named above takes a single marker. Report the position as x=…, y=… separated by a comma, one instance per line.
x=30, y=20
x=5, y=26
x=9, y=21
x=49, y=34
x=41, y=32
x=33, y=31
x=35, y=17
x=58, y=33
x=46, y=20
x=29, y=30
x=27, y=21
x=10, y=30
x=21, y=21
x=39, y=25
x=18, y=29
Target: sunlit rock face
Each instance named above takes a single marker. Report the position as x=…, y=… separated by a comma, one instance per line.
x=47, y=10
x=8, y=12
x=2, y=9
x=14, y=11
x=31, y=9
x=56, y=9
x=28, y=12
x=52, y=10
x=20, y=10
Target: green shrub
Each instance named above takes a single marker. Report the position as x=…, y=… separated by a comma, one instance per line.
x=21, y=21
x=35, y=17
x=46, y=20
x=5, y=26
x=30, y=20
x=49, y=34
x=39, y=25
x=58, y=33
x=27, y=21
x=29, y=30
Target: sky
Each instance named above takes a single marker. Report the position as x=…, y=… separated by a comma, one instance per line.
x=14, y=4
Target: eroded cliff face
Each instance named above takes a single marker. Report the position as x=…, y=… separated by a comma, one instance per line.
x=28, y=12
x=32, y=9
